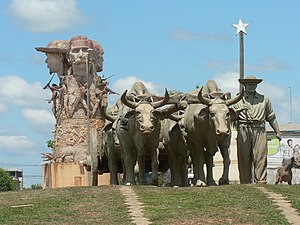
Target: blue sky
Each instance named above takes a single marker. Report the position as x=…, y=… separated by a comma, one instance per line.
x=166, y=44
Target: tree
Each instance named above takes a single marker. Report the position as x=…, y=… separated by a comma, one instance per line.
x=36, y=187
x=7, y=182
x=50, y=144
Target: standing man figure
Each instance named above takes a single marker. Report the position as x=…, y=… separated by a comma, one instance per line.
x=251, y=132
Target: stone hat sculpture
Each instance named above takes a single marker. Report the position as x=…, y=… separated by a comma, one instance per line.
x=250, y=79
x=57, y=46
x=80, y=41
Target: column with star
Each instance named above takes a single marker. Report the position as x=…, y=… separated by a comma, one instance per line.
x=241, y=30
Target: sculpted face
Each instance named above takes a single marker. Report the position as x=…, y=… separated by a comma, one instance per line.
x=54, y=62
x=78, y=55
x=219, y=116
x=250, y=87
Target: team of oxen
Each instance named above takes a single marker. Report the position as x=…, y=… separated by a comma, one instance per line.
x=141, y=128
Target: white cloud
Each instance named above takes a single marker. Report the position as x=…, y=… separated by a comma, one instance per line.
x=15, y=90
x=268, y=64
x=3, y=107
x=39, y=119
x=182, y=34
x=15, y=142
x=46, y=16
x=227, y=81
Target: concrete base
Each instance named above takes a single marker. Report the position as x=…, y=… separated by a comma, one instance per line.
x=57, y=175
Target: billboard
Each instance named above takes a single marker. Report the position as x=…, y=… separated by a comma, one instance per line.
x=280, y=151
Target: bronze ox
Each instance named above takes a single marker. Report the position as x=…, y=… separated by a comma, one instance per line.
x=173, y=142
x=207, y=127
x=111, y=144
x=138, y=128
x=112, y=151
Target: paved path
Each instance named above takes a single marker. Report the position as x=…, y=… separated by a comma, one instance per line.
x=284, y=205
x=134, y=205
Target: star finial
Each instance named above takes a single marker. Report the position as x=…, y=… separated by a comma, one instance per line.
x=241, y=27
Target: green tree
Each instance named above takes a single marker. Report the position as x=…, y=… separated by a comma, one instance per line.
x=36, y=187
x=7, y=182
x=50, y=144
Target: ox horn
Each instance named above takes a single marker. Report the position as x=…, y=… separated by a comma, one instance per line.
x=106, y=116
x=161, y=102
x=236, y=98
x=203, y=100
x=127, y=102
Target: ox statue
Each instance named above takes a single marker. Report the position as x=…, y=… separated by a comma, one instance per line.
x=112, y=151
x=173, y=142
x=207, y=127
x=138, y=128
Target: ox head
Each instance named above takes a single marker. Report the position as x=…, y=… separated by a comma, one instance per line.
x=145, y=113
x=111, y=135
x=219, y=111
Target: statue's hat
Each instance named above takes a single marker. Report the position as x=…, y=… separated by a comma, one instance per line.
x=250, y=79
x=81, y=41
x=57, y=46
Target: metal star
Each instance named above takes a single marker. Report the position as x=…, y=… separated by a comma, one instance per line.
x=241, y=27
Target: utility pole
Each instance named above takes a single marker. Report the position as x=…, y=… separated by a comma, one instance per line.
x=291, y=109
x=241, y=30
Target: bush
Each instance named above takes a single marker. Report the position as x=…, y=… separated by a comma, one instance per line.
x=36, y=187
x=7, y=182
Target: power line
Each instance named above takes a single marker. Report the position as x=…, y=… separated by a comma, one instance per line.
x=19, y=165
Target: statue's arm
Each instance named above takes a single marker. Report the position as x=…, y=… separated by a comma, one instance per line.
x=271, y=118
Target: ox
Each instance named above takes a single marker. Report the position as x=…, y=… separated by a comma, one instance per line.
x=112, y=151
x=207, y=127
x=173, y=142
x=138, y=128
x=111, y=145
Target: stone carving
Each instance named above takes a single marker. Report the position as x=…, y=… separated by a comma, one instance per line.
x=77, y=97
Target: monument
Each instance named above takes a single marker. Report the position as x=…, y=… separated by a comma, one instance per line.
x=76, y=102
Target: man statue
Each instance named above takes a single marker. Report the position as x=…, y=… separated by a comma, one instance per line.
x=253, y=111
x=57, y=63
x=56, y=56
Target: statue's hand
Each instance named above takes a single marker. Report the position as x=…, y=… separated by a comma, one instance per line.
x=242, y=108
x=278, y=136
x=245, y=107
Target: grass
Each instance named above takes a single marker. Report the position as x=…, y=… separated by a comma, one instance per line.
x=231, y=204
x=292, y=193
x=85, y=205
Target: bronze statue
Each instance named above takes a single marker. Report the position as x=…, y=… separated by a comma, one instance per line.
x=253, y=111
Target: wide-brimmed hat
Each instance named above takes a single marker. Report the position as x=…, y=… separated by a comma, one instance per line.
x=57, y=46
x=250, y=79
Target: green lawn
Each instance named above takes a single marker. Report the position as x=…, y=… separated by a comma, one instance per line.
x=231, y=204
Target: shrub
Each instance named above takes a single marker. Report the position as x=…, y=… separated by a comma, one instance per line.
x=7, y=182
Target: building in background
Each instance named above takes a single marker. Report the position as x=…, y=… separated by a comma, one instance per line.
x=280, y=152
x=17, y=174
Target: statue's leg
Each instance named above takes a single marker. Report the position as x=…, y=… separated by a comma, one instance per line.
x=224, y=148
x=154, y=165
x=260, y=152
x=209, y=160
x=244, y=154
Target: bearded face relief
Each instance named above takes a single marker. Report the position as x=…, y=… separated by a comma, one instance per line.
x=79, y=48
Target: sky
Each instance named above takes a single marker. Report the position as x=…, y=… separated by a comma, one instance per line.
x=165, y=44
